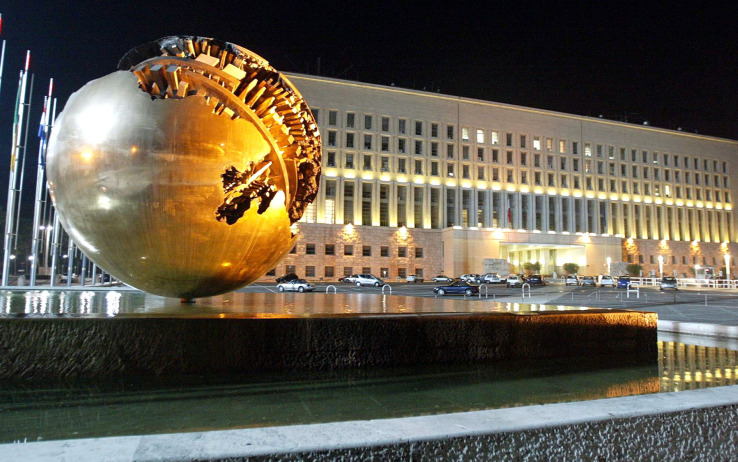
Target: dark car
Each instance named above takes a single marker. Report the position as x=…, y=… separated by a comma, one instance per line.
x=457, y=287
x=536, y=280
x=287, y=278
x=669, y=282
x=589, y=281
x=623, y=282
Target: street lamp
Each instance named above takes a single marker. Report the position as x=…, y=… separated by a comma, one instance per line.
x=609, y=261
x=661, y=265
x=727, y=266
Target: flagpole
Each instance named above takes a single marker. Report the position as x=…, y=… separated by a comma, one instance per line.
x=2, y=60
x=2, y=55
x=39, y=203
x=17, y=134
x=56, y=246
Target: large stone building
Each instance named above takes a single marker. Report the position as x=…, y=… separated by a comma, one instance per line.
x=424, y=183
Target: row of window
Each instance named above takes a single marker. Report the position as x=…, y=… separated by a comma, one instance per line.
x=494, y=137
x=434, y=207
x=685, y=260
x=330, y=271
x=350, y=161
x=366, y=250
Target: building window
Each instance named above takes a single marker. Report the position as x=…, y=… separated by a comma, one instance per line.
x=367, y=162
x=402, y=273
x=309, y=271
x=480, y=136
x=434, y=130
x=367, y=141
x=434, y=168
x=494, y=137
x=350, y=120
x=418, y=147
x=418, y=252
x=537, y=143
x=402, y=252
x=508, y=139
x=384, y=251
x=464, y=134
x=401, y=166
x=401, y=126
x=385, y=124
x=418, y=128
x=366, y=251
x=309, y=249
x=523, y=140
x=331, y=159
x=385, y=144
x=349, y=140
x=329, y=272
x=367, y=122
x=330, y=249
x=562, y=146
x=272, y=272
x=384, y=166
x=450, y=132
x=434, y=149
x=401, y=145
x=331, y=138
x=349, y=161
x=450, y=170
x=290, y=269
x=418, y=167
x=294, y=250
x=348, y=249
x=332, y=117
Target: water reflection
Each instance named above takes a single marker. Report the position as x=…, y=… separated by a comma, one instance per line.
x=127, y=406
x=110, y=303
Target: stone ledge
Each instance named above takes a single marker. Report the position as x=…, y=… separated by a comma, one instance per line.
x=109, y=347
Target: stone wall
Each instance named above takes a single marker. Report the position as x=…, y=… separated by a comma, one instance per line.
x=110, y=347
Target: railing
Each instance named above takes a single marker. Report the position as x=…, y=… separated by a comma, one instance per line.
x=523, y=287
x=331, y=287
x=388, y=286
x=633, y=288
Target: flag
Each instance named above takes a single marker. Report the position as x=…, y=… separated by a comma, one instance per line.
x=509, y=215
x=42, y=128
x=1, y=23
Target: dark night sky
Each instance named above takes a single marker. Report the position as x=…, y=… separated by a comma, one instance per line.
x=674, y=67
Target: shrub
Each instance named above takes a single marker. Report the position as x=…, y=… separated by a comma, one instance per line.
x=571, y=268
x=634, y=269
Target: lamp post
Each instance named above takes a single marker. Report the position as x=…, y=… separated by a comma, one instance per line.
x=727, y=266
x=609, y=261
x=661, y=266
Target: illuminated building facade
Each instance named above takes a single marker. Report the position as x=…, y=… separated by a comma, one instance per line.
x=418, y=182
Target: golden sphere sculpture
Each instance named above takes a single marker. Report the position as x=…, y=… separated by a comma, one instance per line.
x=182, y=173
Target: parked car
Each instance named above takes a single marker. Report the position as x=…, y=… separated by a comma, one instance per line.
x=536, y=280
x=470, y=278
x=442, y=278
x=589, y=281
x=607, y=280
x=493, y=278
x=287, y=277
x=368, y=280
x=515, y=280
x=571, y=280
x=414, y=278
x=457, y=287
x=295, y=285
x=623, y=282
x=350, y=279
x=669, y=282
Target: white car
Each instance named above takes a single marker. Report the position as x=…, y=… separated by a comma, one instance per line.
x=515, y=281
x=572, y=280
x=368, y=280
x=607, y=280
x=296, y=285
x=442, y=278
x=414, y=278
x=470, y=278
x=493, y=278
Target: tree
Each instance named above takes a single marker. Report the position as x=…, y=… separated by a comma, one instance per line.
x=531, y=268
x=634, y=269
x=571, y=268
